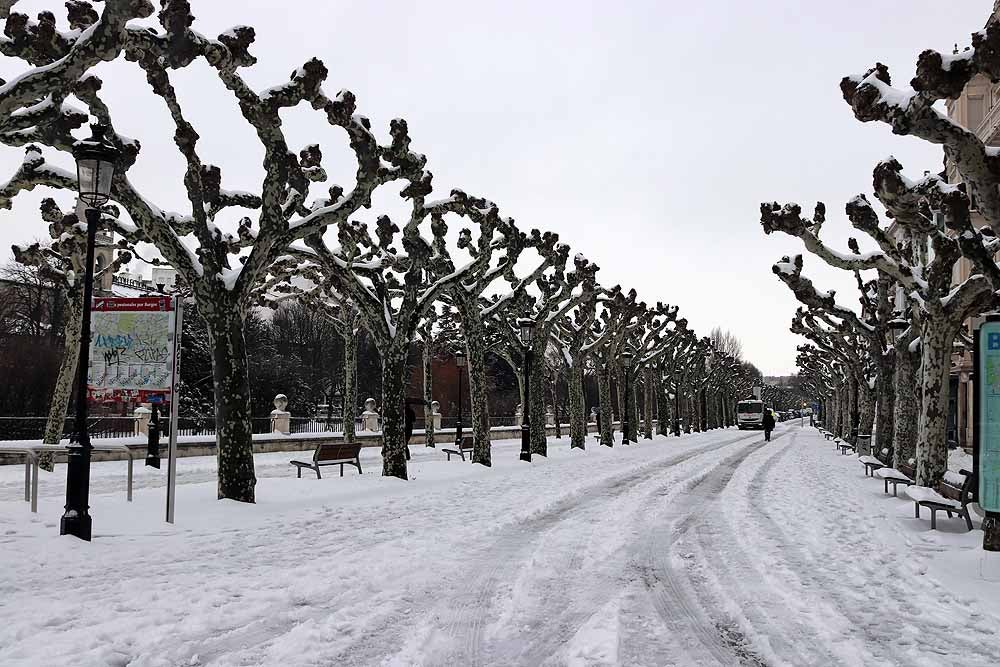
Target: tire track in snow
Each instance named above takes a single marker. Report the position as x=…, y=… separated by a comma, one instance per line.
x=663, y=573
x=468, y=619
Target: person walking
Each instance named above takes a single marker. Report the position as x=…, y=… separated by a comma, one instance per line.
x=768, y=424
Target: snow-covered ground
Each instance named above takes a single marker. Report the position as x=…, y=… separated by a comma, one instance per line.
x=713, y=548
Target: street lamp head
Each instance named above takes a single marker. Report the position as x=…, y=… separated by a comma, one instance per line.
x=96, y=159
x=896, y=327
x=627, y=359
x=460, y=358
x=527, y=328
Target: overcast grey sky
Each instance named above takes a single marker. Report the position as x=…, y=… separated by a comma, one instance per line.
x=645, y=133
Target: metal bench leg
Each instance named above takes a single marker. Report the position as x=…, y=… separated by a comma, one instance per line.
x=933, y=519
x=916, y=510
x=886, y=487
x=128, y=493
x=298, y=472
x=968, y=519
x=341, y=469
x=318, y=476
x=34, y=484
x=27, y=478
x=357, y=462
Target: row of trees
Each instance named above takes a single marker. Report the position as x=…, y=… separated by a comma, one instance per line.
x=887, y=363
x=298, y=237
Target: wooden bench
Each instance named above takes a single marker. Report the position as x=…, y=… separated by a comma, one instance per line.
x=871, y=464
x=827, y=434
x=332, y=454
x=952, y=496
x=904, y=475
x=461, y=448
x=843, y=446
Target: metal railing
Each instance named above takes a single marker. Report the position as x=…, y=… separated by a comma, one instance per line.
x=33, y=428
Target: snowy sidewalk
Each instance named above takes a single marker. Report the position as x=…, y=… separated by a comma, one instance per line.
x=713, y=548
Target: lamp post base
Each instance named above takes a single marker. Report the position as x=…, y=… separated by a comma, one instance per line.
x=526, y=443
x=77, y=525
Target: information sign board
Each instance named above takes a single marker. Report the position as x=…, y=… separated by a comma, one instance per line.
x=131, y=349
x=988, y=415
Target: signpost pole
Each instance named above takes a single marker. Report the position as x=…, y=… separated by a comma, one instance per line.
x=174, y=406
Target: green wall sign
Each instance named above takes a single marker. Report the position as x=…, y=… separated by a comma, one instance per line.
x=988, y=397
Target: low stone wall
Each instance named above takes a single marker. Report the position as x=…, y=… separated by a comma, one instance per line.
x=277, y=442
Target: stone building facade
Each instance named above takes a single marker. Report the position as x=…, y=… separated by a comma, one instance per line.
x=977, y=109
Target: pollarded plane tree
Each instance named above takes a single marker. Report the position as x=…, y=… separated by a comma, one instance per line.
x=554, y=294
x=62, y=262
x=668, y=371
x=871, y=326
x=499, y=263
x=616, y=320
x=575, y=337
x=221, y=268
x=840, y=339
x=921, y=259
x=393, y=277
x=648, y=344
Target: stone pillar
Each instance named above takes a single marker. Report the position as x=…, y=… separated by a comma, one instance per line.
x=436, y=415
x=142, y=417
x=550, y=419
x=517, y=415
x=369, y=418
x=281, y=421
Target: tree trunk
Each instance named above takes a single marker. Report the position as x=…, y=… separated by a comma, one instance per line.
x=577, y=405
x=866, y=413
x=634, y=405
x=350, y=385
x=481, y=449
x=662, y=406
x=555, y=404
x=427, y=365
x=932, y=434
x=232, y=404
x=885, y=400
x=648, y=389
x=63, y=390
x=607, y=415
x=906, y=407
x=537, y=396
x=394, y=372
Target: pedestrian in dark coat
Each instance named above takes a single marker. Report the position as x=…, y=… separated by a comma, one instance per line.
x=768, y=424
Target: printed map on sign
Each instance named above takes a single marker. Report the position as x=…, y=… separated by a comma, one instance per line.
x=131, y=348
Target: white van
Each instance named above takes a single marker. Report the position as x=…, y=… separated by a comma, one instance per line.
x=750, y=414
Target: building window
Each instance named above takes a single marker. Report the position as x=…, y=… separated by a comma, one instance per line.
x=975, y=112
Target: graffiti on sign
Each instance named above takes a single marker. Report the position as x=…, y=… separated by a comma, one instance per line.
x=131, y=348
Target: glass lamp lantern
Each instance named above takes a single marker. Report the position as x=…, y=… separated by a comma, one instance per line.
x=527, y=328
x=460, y=360
x=96, y=160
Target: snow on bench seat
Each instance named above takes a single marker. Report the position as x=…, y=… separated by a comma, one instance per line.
x=922, y=494
x=892, y=473
x=870, y=459
x=954, y=478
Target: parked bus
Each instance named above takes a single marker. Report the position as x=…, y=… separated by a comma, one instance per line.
x=750, y=414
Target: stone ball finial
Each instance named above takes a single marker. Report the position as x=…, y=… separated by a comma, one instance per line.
x=370, y=404
x=435, y=408
x=280, y=402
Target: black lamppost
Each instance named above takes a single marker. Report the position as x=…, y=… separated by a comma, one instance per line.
x=527, y=327
x=95, y=167
x=460, y=361
x=627, y=358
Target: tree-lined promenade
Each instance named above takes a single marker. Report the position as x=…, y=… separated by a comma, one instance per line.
x=521, y=294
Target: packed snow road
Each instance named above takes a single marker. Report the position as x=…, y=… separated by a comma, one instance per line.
x=711, y=549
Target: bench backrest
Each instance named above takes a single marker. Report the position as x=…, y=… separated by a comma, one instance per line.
x=957, y=486
x=336, y=451
x=466, y=444
x=908, y=470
